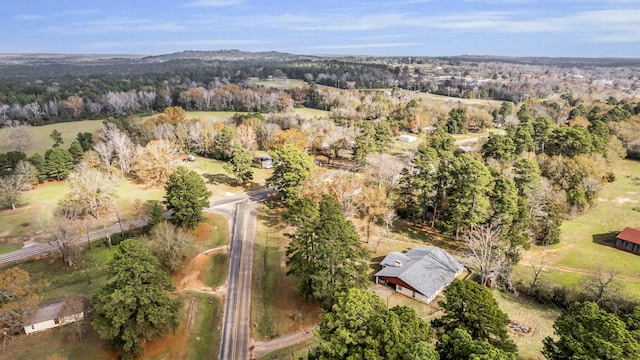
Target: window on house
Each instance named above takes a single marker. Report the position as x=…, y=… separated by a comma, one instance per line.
x=56, y=321
x=399, y=287
x=33, y=327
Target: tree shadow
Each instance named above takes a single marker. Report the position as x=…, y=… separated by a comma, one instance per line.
x=216, y=179
x=606, y=239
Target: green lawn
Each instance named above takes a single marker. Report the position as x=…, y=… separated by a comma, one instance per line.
x=41, y=141
x=278, y=83
x=297, y=351
x=204, y=339
x=539, y=317
x=586, y=241
x=214, y=272
x=276, y=308
x=61, y=280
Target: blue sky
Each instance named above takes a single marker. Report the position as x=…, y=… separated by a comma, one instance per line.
x=576, y=28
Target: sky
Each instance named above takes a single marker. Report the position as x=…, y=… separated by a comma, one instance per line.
x=566, y=28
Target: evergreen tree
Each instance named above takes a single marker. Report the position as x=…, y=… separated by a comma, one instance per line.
x=56, y=136
x=291, y=167
x=457, y=344
x=325, y=253
x=239, y=164
x=186, y=194
x=135, y=305
x=471, y=307
x=58, y=163
x=75, y=149
x=584, y=331
x=359, y=326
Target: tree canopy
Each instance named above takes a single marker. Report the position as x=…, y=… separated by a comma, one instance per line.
x=325, y=252
x=135, y=305
x=186, y=195
x=471, y=307
x=359, y=326
x=291, y=167
x=584, y=331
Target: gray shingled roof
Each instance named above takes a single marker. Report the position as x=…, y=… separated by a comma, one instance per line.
x=46, y=313
x=426, y=269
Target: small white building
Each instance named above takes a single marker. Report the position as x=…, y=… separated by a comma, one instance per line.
x=48, y=317
x=407, y=138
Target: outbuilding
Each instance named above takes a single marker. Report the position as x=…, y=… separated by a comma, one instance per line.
x=407, y=138
x=629, y=240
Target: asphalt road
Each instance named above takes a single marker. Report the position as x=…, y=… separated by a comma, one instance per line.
x=46, y=248
x=235, y=339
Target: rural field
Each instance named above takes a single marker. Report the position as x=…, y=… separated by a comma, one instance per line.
x=41, y=141
x=586, y=241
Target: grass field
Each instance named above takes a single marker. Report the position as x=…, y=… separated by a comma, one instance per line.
x=204, y=338
x=297, y=351
x=40, y=135
x=276, y=308
x=539, y=318
x=278, y=83
x=586, y=241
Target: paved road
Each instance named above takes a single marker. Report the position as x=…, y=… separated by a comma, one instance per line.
x=235, y=339
x=45, y=248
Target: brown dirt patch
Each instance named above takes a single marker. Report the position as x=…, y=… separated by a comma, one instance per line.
x=172, y=345
x=189, y=276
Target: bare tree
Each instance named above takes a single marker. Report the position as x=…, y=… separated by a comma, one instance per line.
x=155, y=162
x=90, y=190
x=246, y=137
x=73, y=310
x=105, y=151
x=537, y=270
x=74, y=103
x=12, y=186
x=487, y=252
x=62, y=230
x=600, y=285
x=18, y=136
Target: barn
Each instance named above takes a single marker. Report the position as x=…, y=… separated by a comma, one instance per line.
x=629, y=240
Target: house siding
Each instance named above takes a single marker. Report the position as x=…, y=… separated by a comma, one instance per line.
x=627, y=246
x=50, y=324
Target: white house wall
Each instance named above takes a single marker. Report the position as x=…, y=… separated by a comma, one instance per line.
x=41, y=326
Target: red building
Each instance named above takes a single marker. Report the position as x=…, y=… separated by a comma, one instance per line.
x=629, y=240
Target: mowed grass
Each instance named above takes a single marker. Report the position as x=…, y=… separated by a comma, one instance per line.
x=60, y=280
x=586, y=242
x=60, y=341
x=214, y=272
x=41, y=142
x=278, y=83
x=276, y=308
x=297, y=351
x=538, y=317
x=204, y=338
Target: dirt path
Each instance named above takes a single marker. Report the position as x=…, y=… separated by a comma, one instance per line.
x=568, y=269
x=261, y=348
x=188, y=279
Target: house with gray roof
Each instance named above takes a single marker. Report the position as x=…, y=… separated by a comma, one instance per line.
x=49, y=317
x=420, y=273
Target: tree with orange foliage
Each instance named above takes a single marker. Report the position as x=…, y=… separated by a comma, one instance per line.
x=156, y=162
x=74, y=103
x=172, y=115
x=18, y=300
x=292, y=136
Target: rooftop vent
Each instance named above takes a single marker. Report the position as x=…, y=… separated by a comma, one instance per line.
x=398, y=263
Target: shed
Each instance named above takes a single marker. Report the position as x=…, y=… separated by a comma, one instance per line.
x=629, y=240
x=265, y=161
x=407, y=138
x=421, y=273
x=48, y=317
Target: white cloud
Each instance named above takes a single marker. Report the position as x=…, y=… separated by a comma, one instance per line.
x=363, y=46
x=118, y=25
x=214, y=3
x=28, y=17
